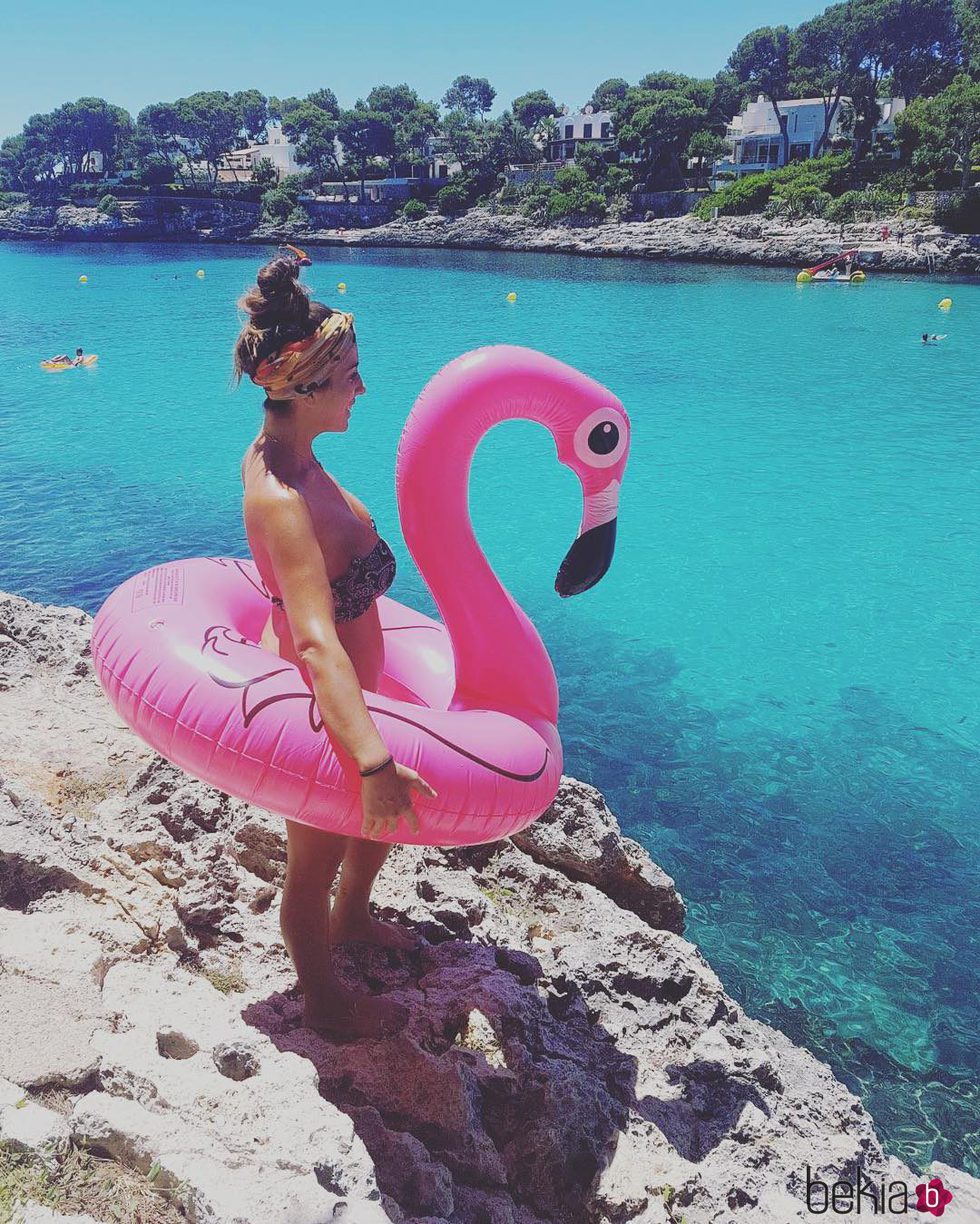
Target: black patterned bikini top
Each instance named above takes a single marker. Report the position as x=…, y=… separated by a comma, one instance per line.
x=361, y=583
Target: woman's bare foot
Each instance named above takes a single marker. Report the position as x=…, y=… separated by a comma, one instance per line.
x=362, y=928
x=352, y=1015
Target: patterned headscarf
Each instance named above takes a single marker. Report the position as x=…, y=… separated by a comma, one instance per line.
x=305, y=365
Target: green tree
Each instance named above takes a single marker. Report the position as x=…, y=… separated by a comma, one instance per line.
x=367, y=138
x=530, y=108
x=411, y=120
x=608, y=94
x=575, y=197
x=727, y=98
x=325, y=100
x=506, y=142
x=968, y=26
x=657, y=131
x=830, y=50
x=700, y=92
x=590, y=158
x=473, y=95
x=461, y=137
x=264, y=172
x=452, y=199
x=280, y=202
x=57, y=145
x=705, y=147
x=921, y=44
x=12, y=163
x=211, y=122
x=160, y=140
x=253, y=113
x=313, y=129
x=762, y=61
x=944, y=131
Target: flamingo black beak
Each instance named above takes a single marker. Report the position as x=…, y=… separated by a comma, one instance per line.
x=587, y=560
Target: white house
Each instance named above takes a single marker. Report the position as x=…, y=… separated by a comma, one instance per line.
x=756, y=143
x=237, y=165
x=439, y=161
x=588, y=125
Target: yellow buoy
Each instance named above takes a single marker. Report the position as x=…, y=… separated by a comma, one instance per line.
x=511, y=297
x=803, y=277
x=946, y=304
x=200, y=273
x=342, y=287
x=83, y=280
x=857, y=277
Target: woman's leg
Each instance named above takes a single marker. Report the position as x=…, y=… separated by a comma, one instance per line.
x=351, y=918
x=313, y=858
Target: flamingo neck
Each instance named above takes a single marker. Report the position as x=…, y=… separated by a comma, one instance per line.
x=501, y=662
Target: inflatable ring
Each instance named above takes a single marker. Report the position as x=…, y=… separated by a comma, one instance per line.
x=470, y=702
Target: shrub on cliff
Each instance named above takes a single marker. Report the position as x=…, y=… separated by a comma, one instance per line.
x=796, y=200
x=414, y=210
x=279, y=201
x=452, y=199
x=573, y=198
x=746, y=195
x=871, y=202
x=752, y=193
x=962, y=214
x=109, y=206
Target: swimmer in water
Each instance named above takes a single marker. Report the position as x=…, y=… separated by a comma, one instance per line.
x=64, y=359
x=927, y=339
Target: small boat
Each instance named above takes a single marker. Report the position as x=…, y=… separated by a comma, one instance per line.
x=830, y=270
x=88, y=360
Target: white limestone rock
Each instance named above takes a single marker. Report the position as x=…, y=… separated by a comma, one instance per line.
x=235, y=1126
x=49, y=978
x=36, y=1213
x=26, y=1126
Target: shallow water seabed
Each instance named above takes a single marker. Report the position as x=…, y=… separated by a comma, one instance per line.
x=776, y=685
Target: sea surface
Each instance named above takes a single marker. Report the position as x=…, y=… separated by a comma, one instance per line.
x=777, y=685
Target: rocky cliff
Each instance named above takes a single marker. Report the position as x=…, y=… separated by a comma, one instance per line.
x=149, y=220
x=737, y=240
x=733, y=240
x=570, y=1058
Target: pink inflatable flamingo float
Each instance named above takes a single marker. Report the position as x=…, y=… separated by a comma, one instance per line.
x=471, y=703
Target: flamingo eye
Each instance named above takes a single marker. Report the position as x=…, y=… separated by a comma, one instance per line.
x=604, y=438
x=600, y=440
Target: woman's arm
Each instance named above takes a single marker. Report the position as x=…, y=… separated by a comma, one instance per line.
x=282, y=521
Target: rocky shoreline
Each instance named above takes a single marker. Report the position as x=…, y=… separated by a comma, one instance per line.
x=571, y=1058
x=729, y=240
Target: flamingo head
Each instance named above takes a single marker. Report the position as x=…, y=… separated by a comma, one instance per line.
x=595, y=446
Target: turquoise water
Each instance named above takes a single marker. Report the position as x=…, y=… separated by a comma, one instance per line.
x=776, y=685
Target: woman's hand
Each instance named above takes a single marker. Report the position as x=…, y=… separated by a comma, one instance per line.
x=386, y=797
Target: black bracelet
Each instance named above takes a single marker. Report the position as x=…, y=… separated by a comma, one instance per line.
x=366, y=773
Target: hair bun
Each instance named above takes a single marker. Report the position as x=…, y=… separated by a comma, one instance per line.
x=278, y=300
x=277, y=310
x=279, y=276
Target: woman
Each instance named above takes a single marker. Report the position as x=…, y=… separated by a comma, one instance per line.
x=315, y=547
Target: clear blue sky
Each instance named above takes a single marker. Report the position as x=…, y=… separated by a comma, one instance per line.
x=63, y=49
